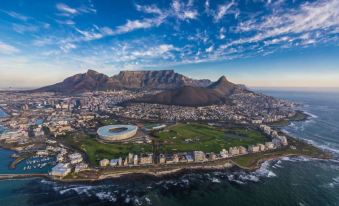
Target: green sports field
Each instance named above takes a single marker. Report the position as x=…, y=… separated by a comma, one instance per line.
x=193, y=136
x=176, y=138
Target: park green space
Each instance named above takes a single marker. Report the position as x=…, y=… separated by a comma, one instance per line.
x=183, y=137
x=96, y=150
x=105, y=122
x=151, y=125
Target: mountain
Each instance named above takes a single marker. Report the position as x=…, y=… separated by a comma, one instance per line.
x=161, y=79
x=94, y=81
x=89, y=81
x=218, y=92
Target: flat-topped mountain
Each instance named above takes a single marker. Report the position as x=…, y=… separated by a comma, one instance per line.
x=161, y=79
x=95, y=81
x=218, y=92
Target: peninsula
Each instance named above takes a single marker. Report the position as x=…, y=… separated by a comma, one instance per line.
x=146, y=122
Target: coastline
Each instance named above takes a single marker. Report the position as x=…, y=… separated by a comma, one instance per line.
x=160, y=174
x=163, y=172
x=160, y=171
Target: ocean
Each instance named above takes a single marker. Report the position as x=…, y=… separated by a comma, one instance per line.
x=288, y=181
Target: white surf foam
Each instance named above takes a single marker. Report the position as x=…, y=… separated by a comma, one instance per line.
x=264, y=171
x=81, y=190
x=106, y=196
x=334, y=183
x=310, y=114
x=215, y=180
x=249, y=177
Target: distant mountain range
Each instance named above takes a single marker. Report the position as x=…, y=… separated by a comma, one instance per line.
x=95, y=81
x=218, y=92
x=177, y=88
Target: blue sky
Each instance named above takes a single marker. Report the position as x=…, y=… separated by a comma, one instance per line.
x=275, y=43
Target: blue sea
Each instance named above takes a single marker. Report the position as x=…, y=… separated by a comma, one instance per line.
x=288, y=181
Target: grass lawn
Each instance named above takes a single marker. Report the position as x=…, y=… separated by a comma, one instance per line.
x=194, y=136
x=105, y=122
x=96, y=150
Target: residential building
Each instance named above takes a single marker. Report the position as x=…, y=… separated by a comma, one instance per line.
x=198, y=156
x=80, y=167
x=61, y=170
x=114, y=162
x=253, y=149
x=233, y=151
x=104, y=162
x=269, y=145
x=242, y=150
x=75, y=158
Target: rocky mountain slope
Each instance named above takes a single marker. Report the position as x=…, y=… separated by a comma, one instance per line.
x=94, y=81
x=218, y=92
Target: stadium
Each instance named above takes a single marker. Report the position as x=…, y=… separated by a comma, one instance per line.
x=114, y=133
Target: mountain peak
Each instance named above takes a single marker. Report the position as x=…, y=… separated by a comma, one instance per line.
x=222, y=79
x=92, y=72
x=221, y=82
x=218, y=92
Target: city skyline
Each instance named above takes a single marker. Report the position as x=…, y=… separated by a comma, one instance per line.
x=256, y=43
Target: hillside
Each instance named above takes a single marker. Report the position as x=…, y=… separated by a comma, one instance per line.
x=217, y=93
x=95, y=81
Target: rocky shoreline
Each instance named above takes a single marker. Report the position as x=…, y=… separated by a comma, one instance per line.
x=160, y=172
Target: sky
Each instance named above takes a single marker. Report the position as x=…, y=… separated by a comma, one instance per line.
x=259, y=43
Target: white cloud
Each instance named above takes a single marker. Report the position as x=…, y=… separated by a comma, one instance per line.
x=154, y=52
x=69, y=11
x=222, y=10
x=66, y=22
x=106, y=31
x=132, y=25
x=22, y=28
x=90, y=35
x=94, y=33
x=320, y=15
x=166, y=47
x=190, y=14
x=222, y=33
x=67, y=46
x=16, y=15
x=41, y=41
x=200, y=37
x=207, y=7
x=7, y=49
x=209, y=49
x=184, y=11
x=85, y=9
x=278, y=40
x=152, y=9
x=176, y=6
x=66, y=9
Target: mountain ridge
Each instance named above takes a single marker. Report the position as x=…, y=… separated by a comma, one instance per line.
x=218, y=92
x=147, y=79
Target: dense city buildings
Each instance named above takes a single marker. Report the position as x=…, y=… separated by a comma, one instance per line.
x=38, y=121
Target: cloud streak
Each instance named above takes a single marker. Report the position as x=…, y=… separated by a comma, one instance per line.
x=222, y=11
x=66, y=10
x=7, y=48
